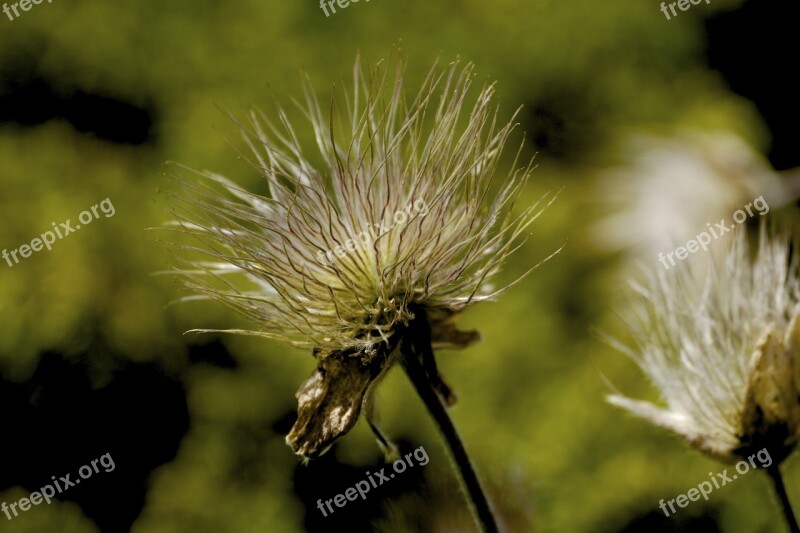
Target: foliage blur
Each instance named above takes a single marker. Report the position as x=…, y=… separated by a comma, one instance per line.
x=96, y=97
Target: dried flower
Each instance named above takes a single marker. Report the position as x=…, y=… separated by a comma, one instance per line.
x=725, y=353
x=417, y=174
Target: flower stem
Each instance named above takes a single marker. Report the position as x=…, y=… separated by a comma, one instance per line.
x=422, y=383
x=774, y=473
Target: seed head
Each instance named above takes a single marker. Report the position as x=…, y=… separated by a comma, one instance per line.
x=400, y=213
x=724, y=353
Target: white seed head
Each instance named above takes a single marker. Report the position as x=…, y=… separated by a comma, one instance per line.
x=724, y=352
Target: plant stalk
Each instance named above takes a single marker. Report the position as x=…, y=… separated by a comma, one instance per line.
x=774, y=473
x=424, y=387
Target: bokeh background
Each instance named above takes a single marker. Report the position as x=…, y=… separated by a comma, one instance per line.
x=648, y=127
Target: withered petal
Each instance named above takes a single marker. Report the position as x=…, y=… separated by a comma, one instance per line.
x=331, y=399
x=771, y=412
x=445, y=335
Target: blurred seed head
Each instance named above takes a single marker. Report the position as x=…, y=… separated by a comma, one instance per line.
x=724, y=352
x=669, y=187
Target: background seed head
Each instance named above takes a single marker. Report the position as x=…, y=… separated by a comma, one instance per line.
x=724, y=353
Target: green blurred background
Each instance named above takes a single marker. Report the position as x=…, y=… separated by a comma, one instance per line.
x=96, y=97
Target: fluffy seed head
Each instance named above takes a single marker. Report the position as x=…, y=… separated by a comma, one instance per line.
x=725, y=353
x=398, y=207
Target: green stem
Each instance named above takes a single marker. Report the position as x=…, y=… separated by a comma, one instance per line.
x=427, y=392
x=774, y=473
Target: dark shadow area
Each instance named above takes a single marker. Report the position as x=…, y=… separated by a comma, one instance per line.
x=29, y=99
x=656, y=522
x=213, y=353
x=561, y=123
x=325, y=477
x=59, y=421
x=755, y=49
